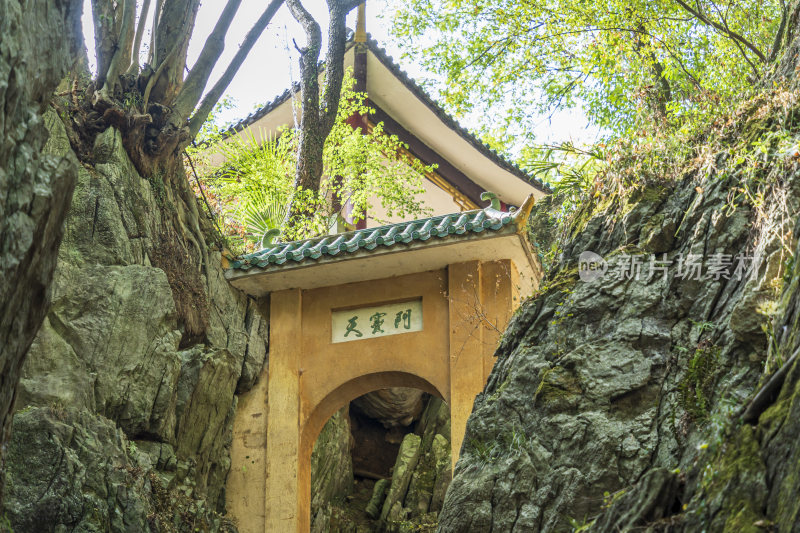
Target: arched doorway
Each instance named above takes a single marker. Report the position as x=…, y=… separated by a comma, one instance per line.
x=355, y=388
x=383, y=459
x=330, y=404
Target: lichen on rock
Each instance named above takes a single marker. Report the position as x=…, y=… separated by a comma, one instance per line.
x=613, y=403
x=133, y=423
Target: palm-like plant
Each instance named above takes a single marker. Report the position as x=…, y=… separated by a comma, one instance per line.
x=263, y=213
x=256, y=180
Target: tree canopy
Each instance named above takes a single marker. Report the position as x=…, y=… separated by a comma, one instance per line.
x=631, y=63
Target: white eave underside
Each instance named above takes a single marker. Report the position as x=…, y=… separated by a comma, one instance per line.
x=392, y=95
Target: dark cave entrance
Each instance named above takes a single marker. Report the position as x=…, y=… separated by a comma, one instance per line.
x=359, y=482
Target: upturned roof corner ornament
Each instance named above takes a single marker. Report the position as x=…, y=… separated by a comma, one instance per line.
x=491, y=197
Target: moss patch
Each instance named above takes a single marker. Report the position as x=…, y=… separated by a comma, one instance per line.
x=697, y=386
x=733, y=486
x=558, y=387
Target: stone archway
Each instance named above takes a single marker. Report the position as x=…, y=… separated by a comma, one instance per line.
x=311, y=375
x=428, y=314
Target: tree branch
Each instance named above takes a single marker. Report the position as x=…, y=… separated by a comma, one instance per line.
x=776, y=45
x=121, y=58
x=334, y=61
x=737, y=43
x=309, y=152
x=316, y=123
x=213, y=96
x=152, y=57
x=106, y=32
x=175, y=25
x=349, y=5
x=155, y=77
x=196, y=81
x=664, y=92
x=137, y=41
x=722, y=29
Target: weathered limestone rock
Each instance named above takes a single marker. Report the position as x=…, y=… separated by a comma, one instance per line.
x=411, y=498
x=396, y=406
x=747, y=477
x=654, y=498
x=255, y=356
x=110, y=349
x=603, y=389
x=331, y=469
x=65, y=467
x=420, y=489
x=407, y=459
x=432, y=473
x=375, y=504
x=434, y=420
x=72, y=470
x=40, y=41
x=444, y=473
x=116, y=326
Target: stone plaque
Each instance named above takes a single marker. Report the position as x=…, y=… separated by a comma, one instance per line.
x=376, y=321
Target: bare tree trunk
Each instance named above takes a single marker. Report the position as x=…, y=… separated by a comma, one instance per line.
x=152, y=108
x=215, y=93
x=317, y=119
x=661, y=94
x=38, y=41
x=176, y=23
x=787, y=46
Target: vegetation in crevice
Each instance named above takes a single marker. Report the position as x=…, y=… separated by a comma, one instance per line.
x=698, y=384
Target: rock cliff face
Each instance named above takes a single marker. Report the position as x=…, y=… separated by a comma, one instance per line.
x=421, y=474
x=397, y=406
x=120, y=427
x=123, y=424
x=617, y=403
x=38, y=42
x=331, y=470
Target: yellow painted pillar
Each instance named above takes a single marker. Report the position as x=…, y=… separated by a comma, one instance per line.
x=284, y=497
x=245, y=488
x=499, y=297
x=466, y=347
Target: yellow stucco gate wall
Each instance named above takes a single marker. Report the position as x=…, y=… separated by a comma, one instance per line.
x=435, y=330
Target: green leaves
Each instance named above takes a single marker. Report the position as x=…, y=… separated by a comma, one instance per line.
x=363, y=171
x=626, y=62
x=264, y=210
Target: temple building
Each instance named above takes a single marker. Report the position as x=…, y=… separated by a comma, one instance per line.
x=465, y=166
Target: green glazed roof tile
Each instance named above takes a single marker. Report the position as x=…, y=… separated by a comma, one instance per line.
x=431, y=230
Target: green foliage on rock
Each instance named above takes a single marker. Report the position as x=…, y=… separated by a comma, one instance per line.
x=697, y=385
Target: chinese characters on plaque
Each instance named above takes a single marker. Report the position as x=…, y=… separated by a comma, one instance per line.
x=376, y=321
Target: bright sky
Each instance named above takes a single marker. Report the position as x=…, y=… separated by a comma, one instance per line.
x=272, y=64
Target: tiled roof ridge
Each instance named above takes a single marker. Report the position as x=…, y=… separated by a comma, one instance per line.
x=420, y=93
x=440, y=227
